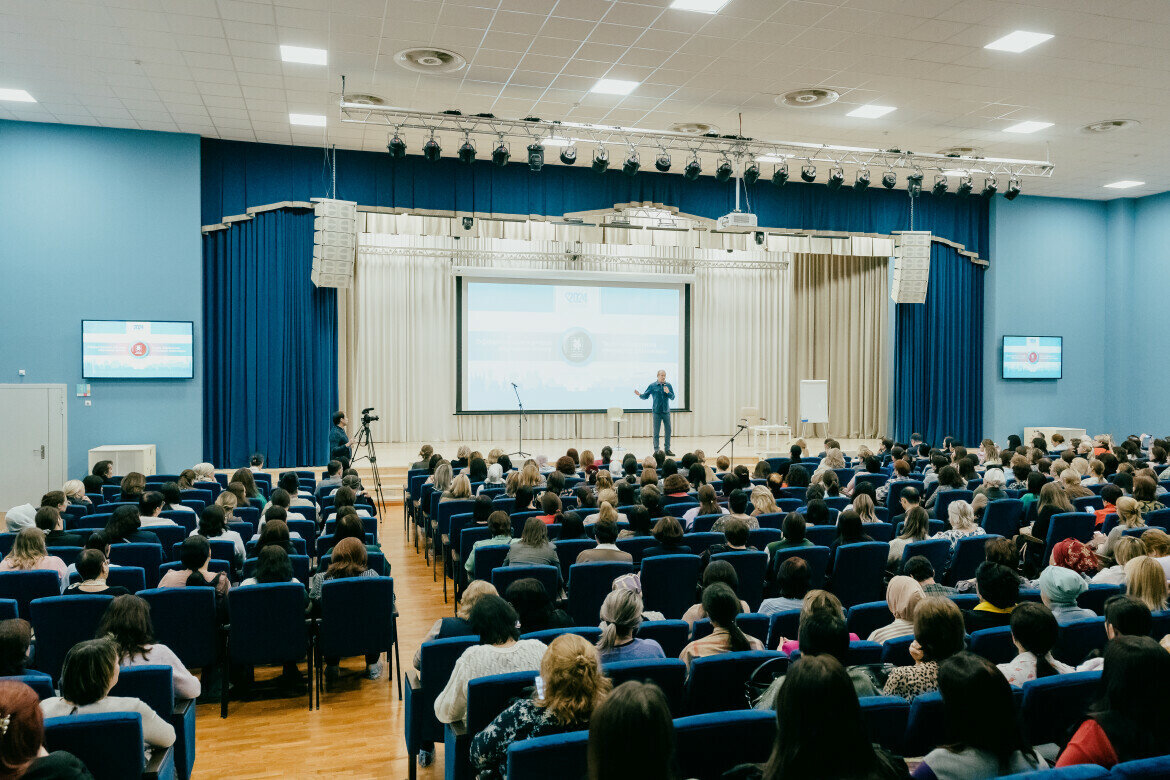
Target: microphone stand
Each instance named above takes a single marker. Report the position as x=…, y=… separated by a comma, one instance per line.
x=523, y=417
x=740, y=428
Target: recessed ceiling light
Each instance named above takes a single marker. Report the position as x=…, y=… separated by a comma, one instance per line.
x=1027, y=127
x=19, y=95
x=614, y=86
x=871, y=111
x=1018, y=41
x=702, y=6
x=304, y=55
x=312, y=120
x=1124, y=184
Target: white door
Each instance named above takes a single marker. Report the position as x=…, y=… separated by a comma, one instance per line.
x=33, y=458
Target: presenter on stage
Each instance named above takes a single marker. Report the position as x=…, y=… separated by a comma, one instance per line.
x=662, y=393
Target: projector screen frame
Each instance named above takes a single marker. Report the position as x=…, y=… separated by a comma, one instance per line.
x=588, y=278
x=1003, y=351
x=187, y=378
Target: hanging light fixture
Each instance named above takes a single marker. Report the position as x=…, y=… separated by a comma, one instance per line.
x=780, y=175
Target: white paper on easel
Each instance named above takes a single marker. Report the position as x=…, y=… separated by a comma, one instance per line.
x=814, y=400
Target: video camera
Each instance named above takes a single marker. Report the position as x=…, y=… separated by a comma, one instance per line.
x=368, y=418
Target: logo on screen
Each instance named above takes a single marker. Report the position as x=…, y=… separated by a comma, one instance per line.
x=1033, y=357
x=139, y=349
x=576, y=346
x=576, y=296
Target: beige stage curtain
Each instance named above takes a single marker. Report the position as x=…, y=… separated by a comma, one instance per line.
x=839, y=331
x=398, y=325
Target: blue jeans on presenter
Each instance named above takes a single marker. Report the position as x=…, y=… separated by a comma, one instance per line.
x=661, y=419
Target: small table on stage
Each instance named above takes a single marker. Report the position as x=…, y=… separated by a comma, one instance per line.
x=767, y=430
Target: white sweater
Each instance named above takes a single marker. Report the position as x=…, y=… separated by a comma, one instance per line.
x=186, y=684
x=155, y=731
x=483, y=661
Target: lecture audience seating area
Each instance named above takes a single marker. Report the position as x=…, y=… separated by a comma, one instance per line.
x=167, y=574
x=965, y=613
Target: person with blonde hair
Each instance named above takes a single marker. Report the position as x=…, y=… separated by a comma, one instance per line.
x=1157, y=543
x=834, y=459
x=961, y=516
x=74, y=490
x=460, y=490
x=621, y=614
x=607, y=500
x=529, y=476
x=989, y=455
x=1128, y=516
x=1070, y=480
x=1145, y=580
x=29, y=554
x=863, y=506
x=460, y=625
x=603, y=480
x=902, y=595
x=762, y=501
x=1125, y=549
x=571, y=686
x=1081, y=467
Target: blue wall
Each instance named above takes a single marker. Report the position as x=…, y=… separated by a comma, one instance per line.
x=101, y=224
x=1049, y=262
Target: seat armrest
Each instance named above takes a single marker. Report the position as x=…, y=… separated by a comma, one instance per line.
x=156, y=767
x=182, y=706
x=412, y=680
x=458, y=728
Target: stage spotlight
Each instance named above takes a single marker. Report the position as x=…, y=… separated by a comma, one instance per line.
x=723, y=171
x=501, y=154
x=836, y=177
x=631, y=165
x=693, y=169
x=1013, y=188
x=396, y=147
x=662, y=162
x=467, y=152
x=940, y=185
x=780, y=175
x=861, y=181
x=600, y=159
x=989, y=187
x=535, y=156
x=889, y=179
x=751, y=174
x=808, y=172
x=914, y=184
x=569, y=155
x=965, y=186
x=431, y=150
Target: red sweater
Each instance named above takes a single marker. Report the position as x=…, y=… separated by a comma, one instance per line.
x=1089, y=745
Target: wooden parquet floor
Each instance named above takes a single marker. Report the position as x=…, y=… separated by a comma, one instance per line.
x=358, y=731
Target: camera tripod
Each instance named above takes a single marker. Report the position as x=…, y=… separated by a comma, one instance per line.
x=363, y=438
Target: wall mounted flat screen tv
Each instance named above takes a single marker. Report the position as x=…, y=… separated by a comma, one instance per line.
x=1032, y=357
x=137, y=349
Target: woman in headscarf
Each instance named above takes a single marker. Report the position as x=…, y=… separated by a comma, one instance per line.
x=1059, y=588
x=902, y=594
x=1076, y=556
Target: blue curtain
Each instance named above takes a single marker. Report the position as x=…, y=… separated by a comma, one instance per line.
x=938, y=354
x=237, y=175
x=270, y=349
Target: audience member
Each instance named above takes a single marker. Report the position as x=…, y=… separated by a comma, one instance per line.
x=902, y=595
x=500, y=528
x=460, y=625
x=915, y=528
x=535, y=606
x=721, y=605
x=1059, y=589
x=1124, y=616
x=632, y=708
x=922, y=570
x=998, y=588
x=127, y=624
x=606, y=533
x=89, y=672
x=1034, y=633
x=48, y=519
x=29, y=554
x=621, y=614
x=195, y=556
x=938, y=634
x=94, y=569
x=22, y=751
x=533, y=547
x=669, y=535
x=984, y=737
x=1146, y=582
x=793, y=580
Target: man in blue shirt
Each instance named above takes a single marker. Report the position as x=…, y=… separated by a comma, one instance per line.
x=339, y=439
x=663, y=394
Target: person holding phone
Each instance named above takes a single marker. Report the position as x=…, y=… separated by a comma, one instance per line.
x=663, y=393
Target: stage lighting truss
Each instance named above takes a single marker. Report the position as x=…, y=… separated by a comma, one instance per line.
x=452, y=129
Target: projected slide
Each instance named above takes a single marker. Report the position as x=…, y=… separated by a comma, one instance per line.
x=124, y=349
x=1032, y=357
x=567, y=345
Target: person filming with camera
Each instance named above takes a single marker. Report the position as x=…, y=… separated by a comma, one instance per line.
x=339, y=440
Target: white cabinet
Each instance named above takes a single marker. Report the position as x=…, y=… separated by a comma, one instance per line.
x=126, y=457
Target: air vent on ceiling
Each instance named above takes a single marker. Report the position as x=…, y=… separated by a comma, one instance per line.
x=1110, y=125
x=808, y=98
x=430, y=60
x=692, y=128
x=365, y=100
x=961, y=151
